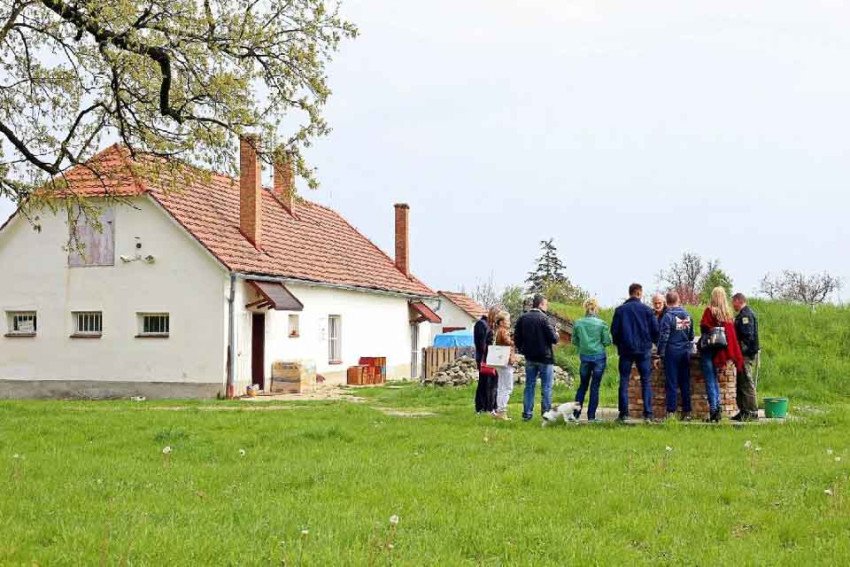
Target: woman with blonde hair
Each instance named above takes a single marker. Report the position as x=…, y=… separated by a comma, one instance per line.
x=718, y=345
x=590, y=337
x=505, y=385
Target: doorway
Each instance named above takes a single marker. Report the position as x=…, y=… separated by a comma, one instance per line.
x=258, y=350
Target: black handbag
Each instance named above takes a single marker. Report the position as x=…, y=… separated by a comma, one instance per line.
x=714, y=340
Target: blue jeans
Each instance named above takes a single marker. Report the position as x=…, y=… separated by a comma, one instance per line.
x=643, y=363
x=677, y=374
x=712, y=388
x=591, y=370
x=532, y=371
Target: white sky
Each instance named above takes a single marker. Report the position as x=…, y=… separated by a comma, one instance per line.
x=628, y=131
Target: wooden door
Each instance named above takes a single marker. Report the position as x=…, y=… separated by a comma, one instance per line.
x=258, y=350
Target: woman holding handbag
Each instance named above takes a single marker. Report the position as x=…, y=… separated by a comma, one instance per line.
x=485, y=392
x=718, y=345
x=505, y=373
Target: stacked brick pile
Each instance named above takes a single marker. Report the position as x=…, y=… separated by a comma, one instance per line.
x=699, y=401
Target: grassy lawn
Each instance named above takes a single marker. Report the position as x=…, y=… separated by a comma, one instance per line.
x=316, y=483
x=88, y=483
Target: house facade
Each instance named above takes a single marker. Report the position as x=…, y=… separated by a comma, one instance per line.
x=457, y=311
x=196, y=290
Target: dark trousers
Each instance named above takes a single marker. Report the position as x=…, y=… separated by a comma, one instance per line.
x=485, y=393
x=591, y=370
x=677, y=374
x=643, y=364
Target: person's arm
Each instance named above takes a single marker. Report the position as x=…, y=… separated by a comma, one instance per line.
x=653, y=325
x=575, y=339
x=606, y=335
x=706, y=323
x=615, y=328
x=518, y=338
x=690, y=329
x=553, y=332
x=746, y=332
x=663, y=335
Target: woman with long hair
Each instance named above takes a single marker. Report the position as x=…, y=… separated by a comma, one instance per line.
x=718, y=314
x=505, y=374
x=485, y=392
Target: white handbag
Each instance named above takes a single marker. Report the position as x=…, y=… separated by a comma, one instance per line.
x=498, y=355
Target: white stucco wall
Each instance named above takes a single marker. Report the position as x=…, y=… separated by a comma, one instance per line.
x=372, y=325
x=452, y=316
x=184, y=281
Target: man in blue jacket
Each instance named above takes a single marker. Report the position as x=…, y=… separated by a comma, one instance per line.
x=674, y=347
x=634, y=330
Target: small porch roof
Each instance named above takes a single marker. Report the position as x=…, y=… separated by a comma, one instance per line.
x=275, y=295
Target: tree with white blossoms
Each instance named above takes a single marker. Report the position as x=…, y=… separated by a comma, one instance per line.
x=170, y=79
x=791, y=285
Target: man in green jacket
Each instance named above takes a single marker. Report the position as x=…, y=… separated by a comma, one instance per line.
x=590, y=337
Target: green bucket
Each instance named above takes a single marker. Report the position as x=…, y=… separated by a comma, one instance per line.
x=775, y=407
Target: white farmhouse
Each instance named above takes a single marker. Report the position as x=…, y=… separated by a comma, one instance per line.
x=196, y=291
x=457, y=311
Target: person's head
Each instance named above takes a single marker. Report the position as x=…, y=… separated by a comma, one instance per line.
x=636, y=290
x=539, y=302
x=492, y=313
x=658, y=303
x=720, y=305
x=739, y=301
x=672, y=299
x=591, y=306
x=503, y=319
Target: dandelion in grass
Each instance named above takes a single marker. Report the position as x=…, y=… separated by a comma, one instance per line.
x=17, y=456
x=305, y=532
x=241, y=452
x=394, y=519
x=748, y=444
x=837, y=459
x=668, y=448
x=828, y=492
x=829, y=451
x=758, y=448
x=166, y=450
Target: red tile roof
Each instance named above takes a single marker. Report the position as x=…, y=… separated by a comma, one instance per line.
x=465, y=302
x=311, y=243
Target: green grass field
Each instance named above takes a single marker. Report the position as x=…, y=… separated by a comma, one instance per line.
x=88, y=482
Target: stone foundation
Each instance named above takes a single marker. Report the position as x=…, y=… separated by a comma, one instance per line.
x=104, y=390
x=699, y=400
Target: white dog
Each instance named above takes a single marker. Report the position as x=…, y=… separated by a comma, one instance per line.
x=561, y=414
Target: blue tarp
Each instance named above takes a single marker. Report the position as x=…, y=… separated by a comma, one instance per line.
x=462, y=338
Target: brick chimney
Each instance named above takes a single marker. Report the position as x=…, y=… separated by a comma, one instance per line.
x=250, y=198
x=284, y=181
x=402, y=248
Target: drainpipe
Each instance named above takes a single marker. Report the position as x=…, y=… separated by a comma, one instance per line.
x=230, y=392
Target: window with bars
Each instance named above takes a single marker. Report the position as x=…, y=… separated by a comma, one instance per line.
x=22, y=323
x=334, y=339
x=154, y=324
x=88, y=323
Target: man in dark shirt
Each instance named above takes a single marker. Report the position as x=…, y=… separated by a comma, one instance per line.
x=534, y=336
x=634, y=330
x=747, y=329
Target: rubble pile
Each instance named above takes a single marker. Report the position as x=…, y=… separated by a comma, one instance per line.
x=459, y=372
x=561, y=375
x=463, y=371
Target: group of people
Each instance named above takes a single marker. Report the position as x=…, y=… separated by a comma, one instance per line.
x=645, y=338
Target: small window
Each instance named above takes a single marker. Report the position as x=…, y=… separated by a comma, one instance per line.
x=335, y=339
x=153, y=325
x=88, y=323
x=294, y=331
x=22, y=323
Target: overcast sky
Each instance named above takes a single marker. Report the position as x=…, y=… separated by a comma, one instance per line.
x=628, y=131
